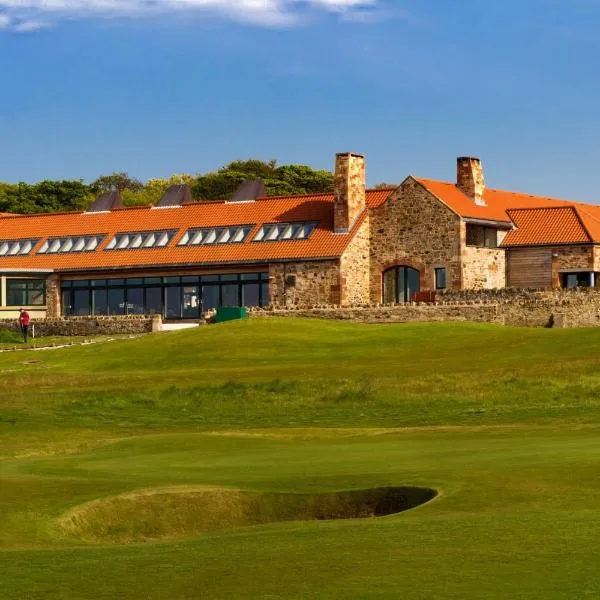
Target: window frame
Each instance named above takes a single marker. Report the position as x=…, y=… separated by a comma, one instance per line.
x=26, y=283
x=438, y=271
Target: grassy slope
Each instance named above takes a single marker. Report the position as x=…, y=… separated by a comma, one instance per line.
x=503, y=421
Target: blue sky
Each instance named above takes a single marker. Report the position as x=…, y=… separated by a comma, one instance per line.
x=171, y=86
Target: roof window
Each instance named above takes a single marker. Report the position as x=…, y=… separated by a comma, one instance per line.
x=140, y=239
x=82, y=243
x=277, y=232
x=215, y=235
x=17, y=247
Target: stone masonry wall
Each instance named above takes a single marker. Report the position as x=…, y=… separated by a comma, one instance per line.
x=349, y=185
x=571, y=258
x=523, y=308
x=53, y=308
x=316, y=282
x=84, y=326
x=355, y=268
x=482, y=268
x=413, y=228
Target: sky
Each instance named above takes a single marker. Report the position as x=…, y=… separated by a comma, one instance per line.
x=156, y=87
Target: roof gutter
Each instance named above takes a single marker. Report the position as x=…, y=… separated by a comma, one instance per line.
x=47, y=271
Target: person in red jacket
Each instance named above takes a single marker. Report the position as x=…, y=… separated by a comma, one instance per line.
x=24, y=323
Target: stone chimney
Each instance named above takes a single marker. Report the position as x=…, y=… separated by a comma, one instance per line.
x=350, y=190
x=469, y=178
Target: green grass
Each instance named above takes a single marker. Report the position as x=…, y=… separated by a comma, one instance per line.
x=503, y=422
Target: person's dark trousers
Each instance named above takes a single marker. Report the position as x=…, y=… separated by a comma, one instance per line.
x=25, y=329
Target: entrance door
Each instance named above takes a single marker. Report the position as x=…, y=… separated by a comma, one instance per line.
x=400, y=284
x=191, y=302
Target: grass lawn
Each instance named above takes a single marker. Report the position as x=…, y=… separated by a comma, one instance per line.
x=11, y=340
x=504, y=423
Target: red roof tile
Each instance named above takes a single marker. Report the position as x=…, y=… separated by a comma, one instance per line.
x=323, y=243
x=497, y=201
x=543, y=226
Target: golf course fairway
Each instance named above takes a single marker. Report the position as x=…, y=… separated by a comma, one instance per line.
x=271, y=459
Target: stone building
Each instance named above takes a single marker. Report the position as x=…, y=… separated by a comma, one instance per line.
x=353, y=246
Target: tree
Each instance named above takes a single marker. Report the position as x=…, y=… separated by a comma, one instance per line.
x=53, y=196
x=43, y=197
x=383, y=186
x=118, y=182
x=279, y=181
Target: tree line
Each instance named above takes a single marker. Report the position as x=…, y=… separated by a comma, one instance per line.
x=72, y=195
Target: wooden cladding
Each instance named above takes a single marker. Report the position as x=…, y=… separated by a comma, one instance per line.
x=529, y=267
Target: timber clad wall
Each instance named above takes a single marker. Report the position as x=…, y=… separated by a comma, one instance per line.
x=529, y=267
x=414, y=229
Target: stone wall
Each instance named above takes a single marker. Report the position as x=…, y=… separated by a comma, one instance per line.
x=53, y=299
x=415, y=229
x=521, y=308
x=482, y=268
x=304, y=283
x=87, y=326
x=355, y=268
x=400, y=313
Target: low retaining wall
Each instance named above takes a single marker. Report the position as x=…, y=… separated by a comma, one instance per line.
x=85, y=326
x=523, y=308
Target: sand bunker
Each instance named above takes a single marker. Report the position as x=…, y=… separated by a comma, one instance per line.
x=183, y=512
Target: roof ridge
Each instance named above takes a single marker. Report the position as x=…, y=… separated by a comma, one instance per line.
x=500, y=191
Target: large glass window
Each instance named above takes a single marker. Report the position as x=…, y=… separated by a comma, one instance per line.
x=173, y=303
x=173, y=297
x=210, y=296
x=579, y=279
x=135, y=301
x=25, y=292
x=154, y=301
x=400, y=284
x=116, y=301
x=99, y=302
x=81, y=303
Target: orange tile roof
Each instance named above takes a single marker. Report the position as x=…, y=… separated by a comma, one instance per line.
x=538, y=220
x=497, y=201
x=323, y=243
x=544, y=226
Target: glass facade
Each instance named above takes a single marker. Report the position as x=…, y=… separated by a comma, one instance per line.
x=180, y=297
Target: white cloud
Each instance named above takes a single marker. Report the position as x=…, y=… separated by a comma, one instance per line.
x=30, y=15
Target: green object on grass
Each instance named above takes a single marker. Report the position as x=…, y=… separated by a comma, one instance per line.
x=230, y=313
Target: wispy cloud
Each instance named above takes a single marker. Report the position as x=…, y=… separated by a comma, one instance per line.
x=31, y=15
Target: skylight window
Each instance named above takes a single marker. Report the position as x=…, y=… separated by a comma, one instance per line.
x=140, y=239
x=215, y=235
x=277, y=232
x=81, y=243
x=17, y=247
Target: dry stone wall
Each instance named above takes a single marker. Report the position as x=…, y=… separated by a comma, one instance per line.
x=522, y=308
x=87, y=326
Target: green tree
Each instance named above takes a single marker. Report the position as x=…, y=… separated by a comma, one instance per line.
x=279, y=181
x=46, y=196
x=116, y=182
